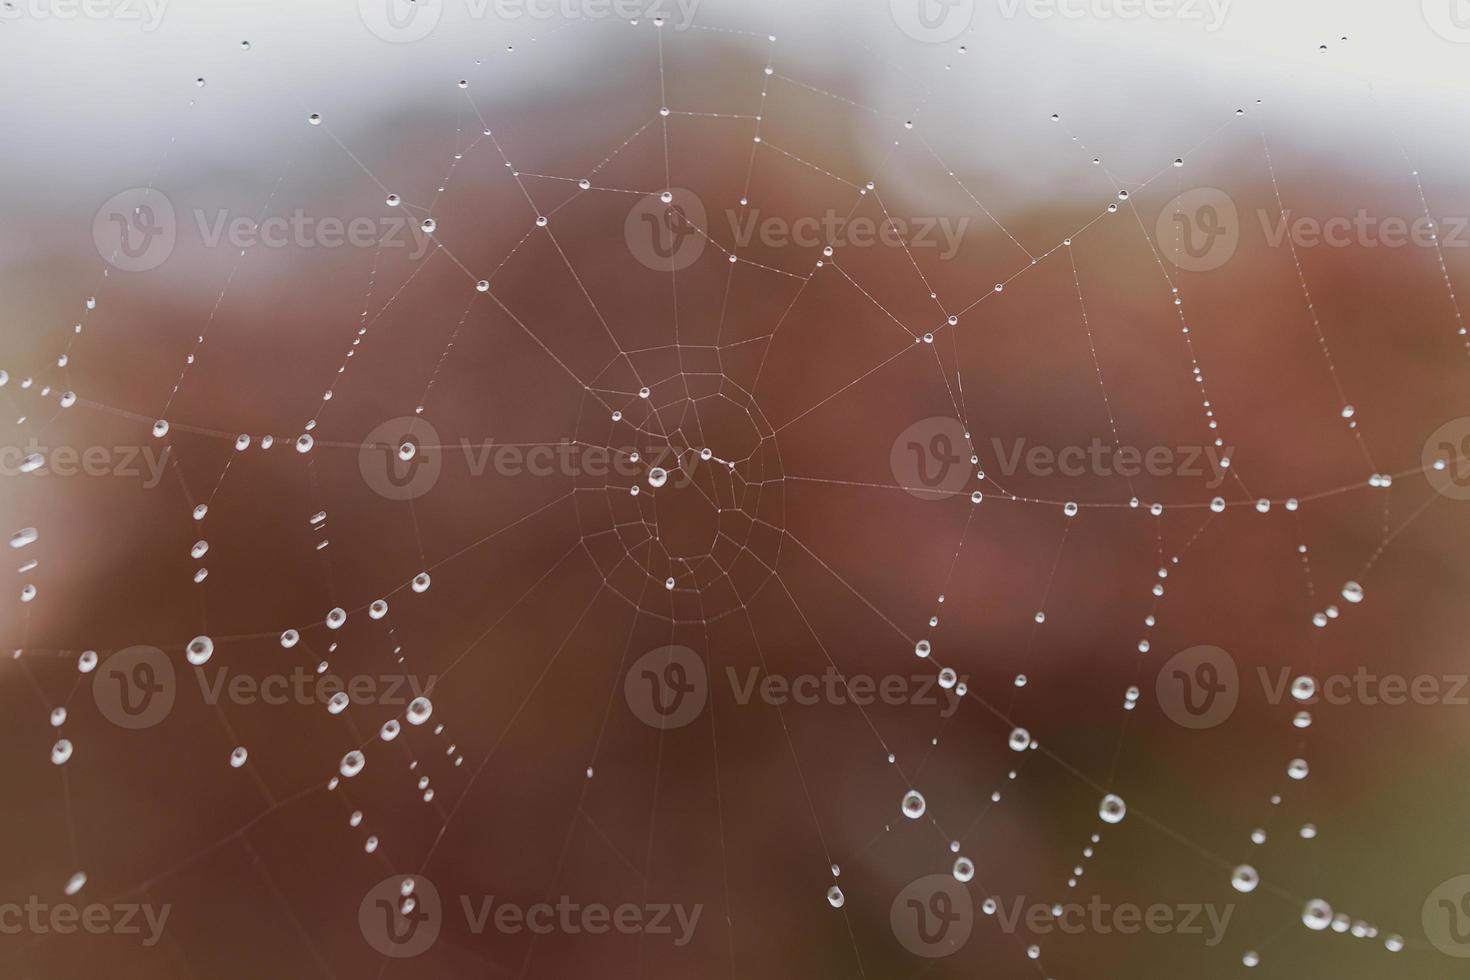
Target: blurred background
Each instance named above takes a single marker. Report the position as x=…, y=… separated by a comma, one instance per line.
x=312, y=306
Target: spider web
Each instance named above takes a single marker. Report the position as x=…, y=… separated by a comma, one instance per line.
x=352, y=488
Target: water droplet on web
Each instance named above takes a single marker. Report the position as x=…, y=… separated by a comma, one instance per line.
x=352, y=763
x=835, y=897
x=200, y=649
x=1244, y=879
x=238, y=756
x=338, y=703
x=61, y=752
x=419, y=710
x=1317, y=915
x=657, y=477
x=922, y=648
x=964, y=869
x=1112, y=809
x=315, y=119
x=87, y=662
x=1352, y=592
x=75, y=883
x=1020, y=740
x=913, y=805
x=25, y=536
